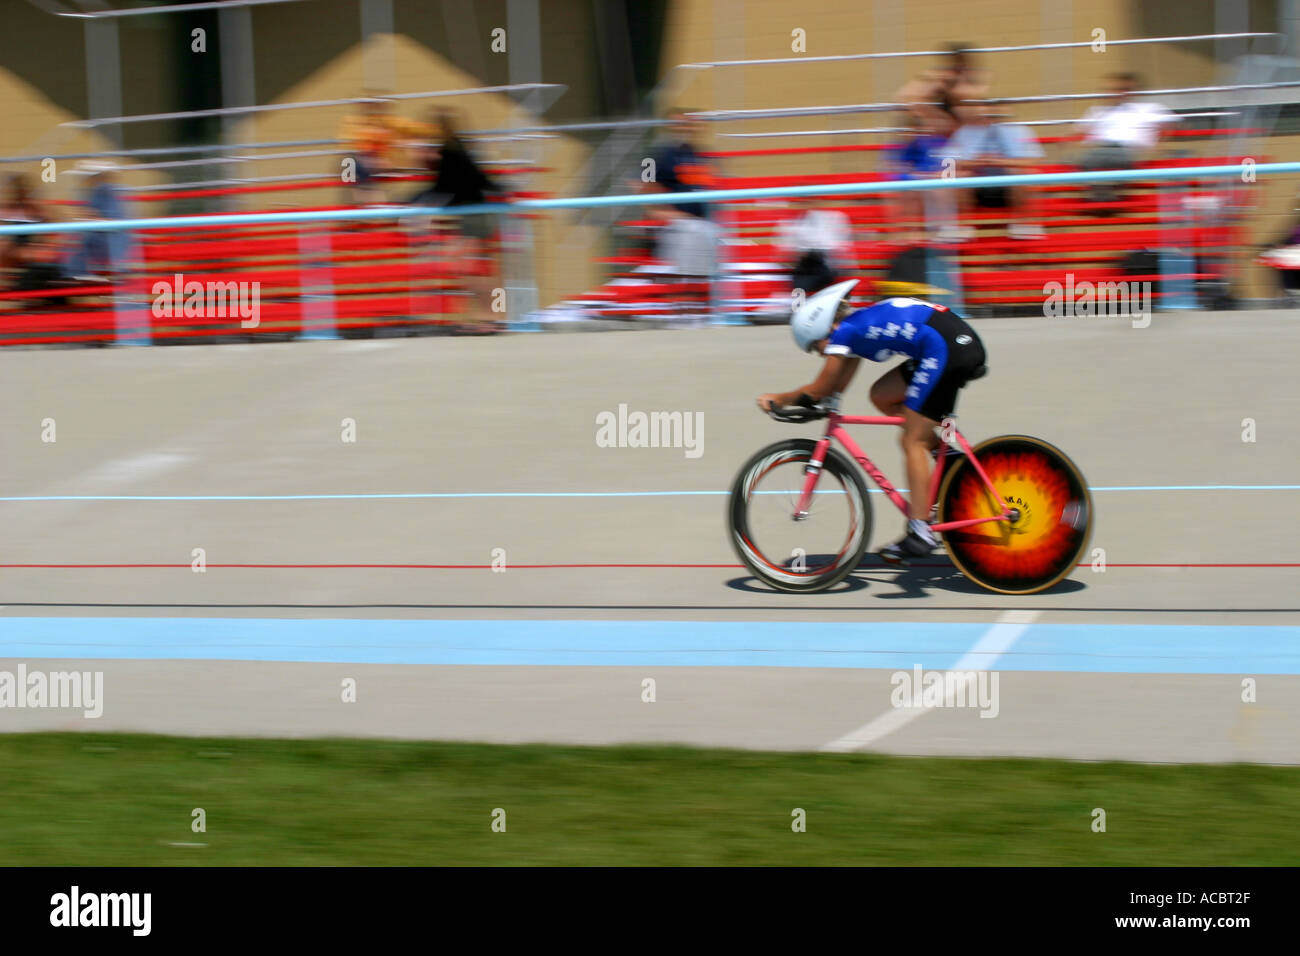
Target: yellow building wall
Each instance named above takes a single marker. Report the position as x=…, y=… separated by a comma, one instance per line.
x=706, y=30
x=710, y=30
x=562, y=265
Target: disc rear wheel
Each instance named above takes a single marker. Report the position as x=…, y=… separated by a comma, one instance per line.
x=1053, y=515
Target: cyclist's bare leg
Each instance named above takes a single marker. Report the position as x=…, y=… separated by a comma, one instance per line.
x=917, y=439
x=888, y=392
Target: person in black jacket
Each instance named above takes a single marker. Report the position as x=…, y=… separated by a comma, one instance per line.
x=458, y=181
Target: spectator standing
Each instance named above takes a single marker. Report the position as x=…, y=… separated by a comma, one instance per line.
x=953, y=88
x=688, y=240
x=105, y=253
x=459, y=181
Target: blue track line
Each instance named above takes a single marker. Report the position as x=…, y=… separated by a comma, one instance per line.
x=1086, y=648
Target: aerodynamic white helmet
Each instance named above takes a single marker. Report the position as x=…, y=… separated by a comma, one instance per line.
x=812, y=321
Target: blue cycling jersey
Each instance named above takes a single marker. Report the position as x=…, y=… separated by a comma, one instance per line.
x=900, y=326
x=890, y=327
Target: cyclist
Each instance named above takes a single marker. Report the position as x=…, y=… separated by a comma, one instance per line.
x=943, y=354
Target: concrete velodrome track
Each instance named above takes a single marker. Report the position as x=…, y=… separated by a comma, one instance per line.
x=328, y=559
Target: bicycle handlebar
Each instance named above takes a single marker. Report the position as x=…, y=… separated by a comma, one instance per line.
x=797, y=414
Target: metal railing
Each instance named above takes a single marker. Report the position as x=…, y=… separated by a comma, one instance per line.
x=1020, y=48
x=878, y=130
x=675, y=81
x=169, y=8
x=554, y=90
x=1234, y=170
x=725, y=115
x=548, y=93
x=163, y=150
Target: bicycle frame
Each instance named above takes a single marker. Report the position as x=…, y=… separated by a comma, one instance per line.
x=835, y=430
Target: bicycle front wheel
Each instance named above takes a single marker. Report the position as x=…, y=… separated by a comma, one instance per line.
x=815, y=552
x=1048, y=537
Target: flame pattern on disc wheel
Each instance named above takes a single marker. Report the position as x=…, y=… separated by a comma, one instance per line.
x=1044, y=543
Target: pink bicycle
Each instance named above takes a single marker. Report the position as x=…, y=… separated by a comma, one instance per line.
x=1014, y=512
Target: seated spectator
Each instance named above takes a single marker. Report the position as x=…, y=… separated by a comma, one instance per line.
x=100, y=254
x=817, y=242
x=1120, y=134
x=16, y=207
x=373, y=137
x=982, y=147
x=31, y=261
x=688, y=241
x=920, y=156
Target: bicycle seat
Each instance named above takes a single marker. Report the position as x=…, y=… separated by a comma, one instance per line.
x=978, y=373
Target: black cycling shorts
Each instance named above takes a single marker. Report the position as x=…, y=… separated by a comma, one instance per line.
x=965, y=361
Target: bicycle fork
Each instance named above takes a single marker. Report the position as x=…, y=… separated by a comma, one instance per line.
x=812, y=471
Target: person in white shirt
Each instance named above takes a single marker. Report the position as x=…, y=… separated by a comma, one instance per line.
x=1120, y=134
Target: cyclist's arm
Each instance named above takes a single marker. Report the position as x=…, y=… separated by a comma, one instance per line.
x=834, y=377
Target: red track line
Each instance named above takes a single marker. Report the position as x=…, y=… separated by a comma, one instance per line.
x=1261, y=564
x=479, y=567
x=211, y=564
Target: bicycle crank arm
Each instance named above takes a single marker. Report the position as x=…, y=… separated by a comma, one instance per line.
x=954, y=525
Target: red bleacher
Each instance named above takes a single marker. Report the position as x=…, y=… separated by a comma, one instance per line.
x=1086, y=238
x=381, y=277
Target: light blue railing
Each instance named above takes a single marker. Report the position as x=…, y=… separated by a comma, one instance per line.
x=1246, y=171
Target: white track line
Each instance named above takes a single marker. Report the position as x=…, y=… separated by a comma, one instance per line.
x=995, y=642
x=132, y=468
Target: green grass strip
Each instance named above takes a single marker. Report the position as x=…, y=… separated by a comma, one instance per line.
x=119, y=799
